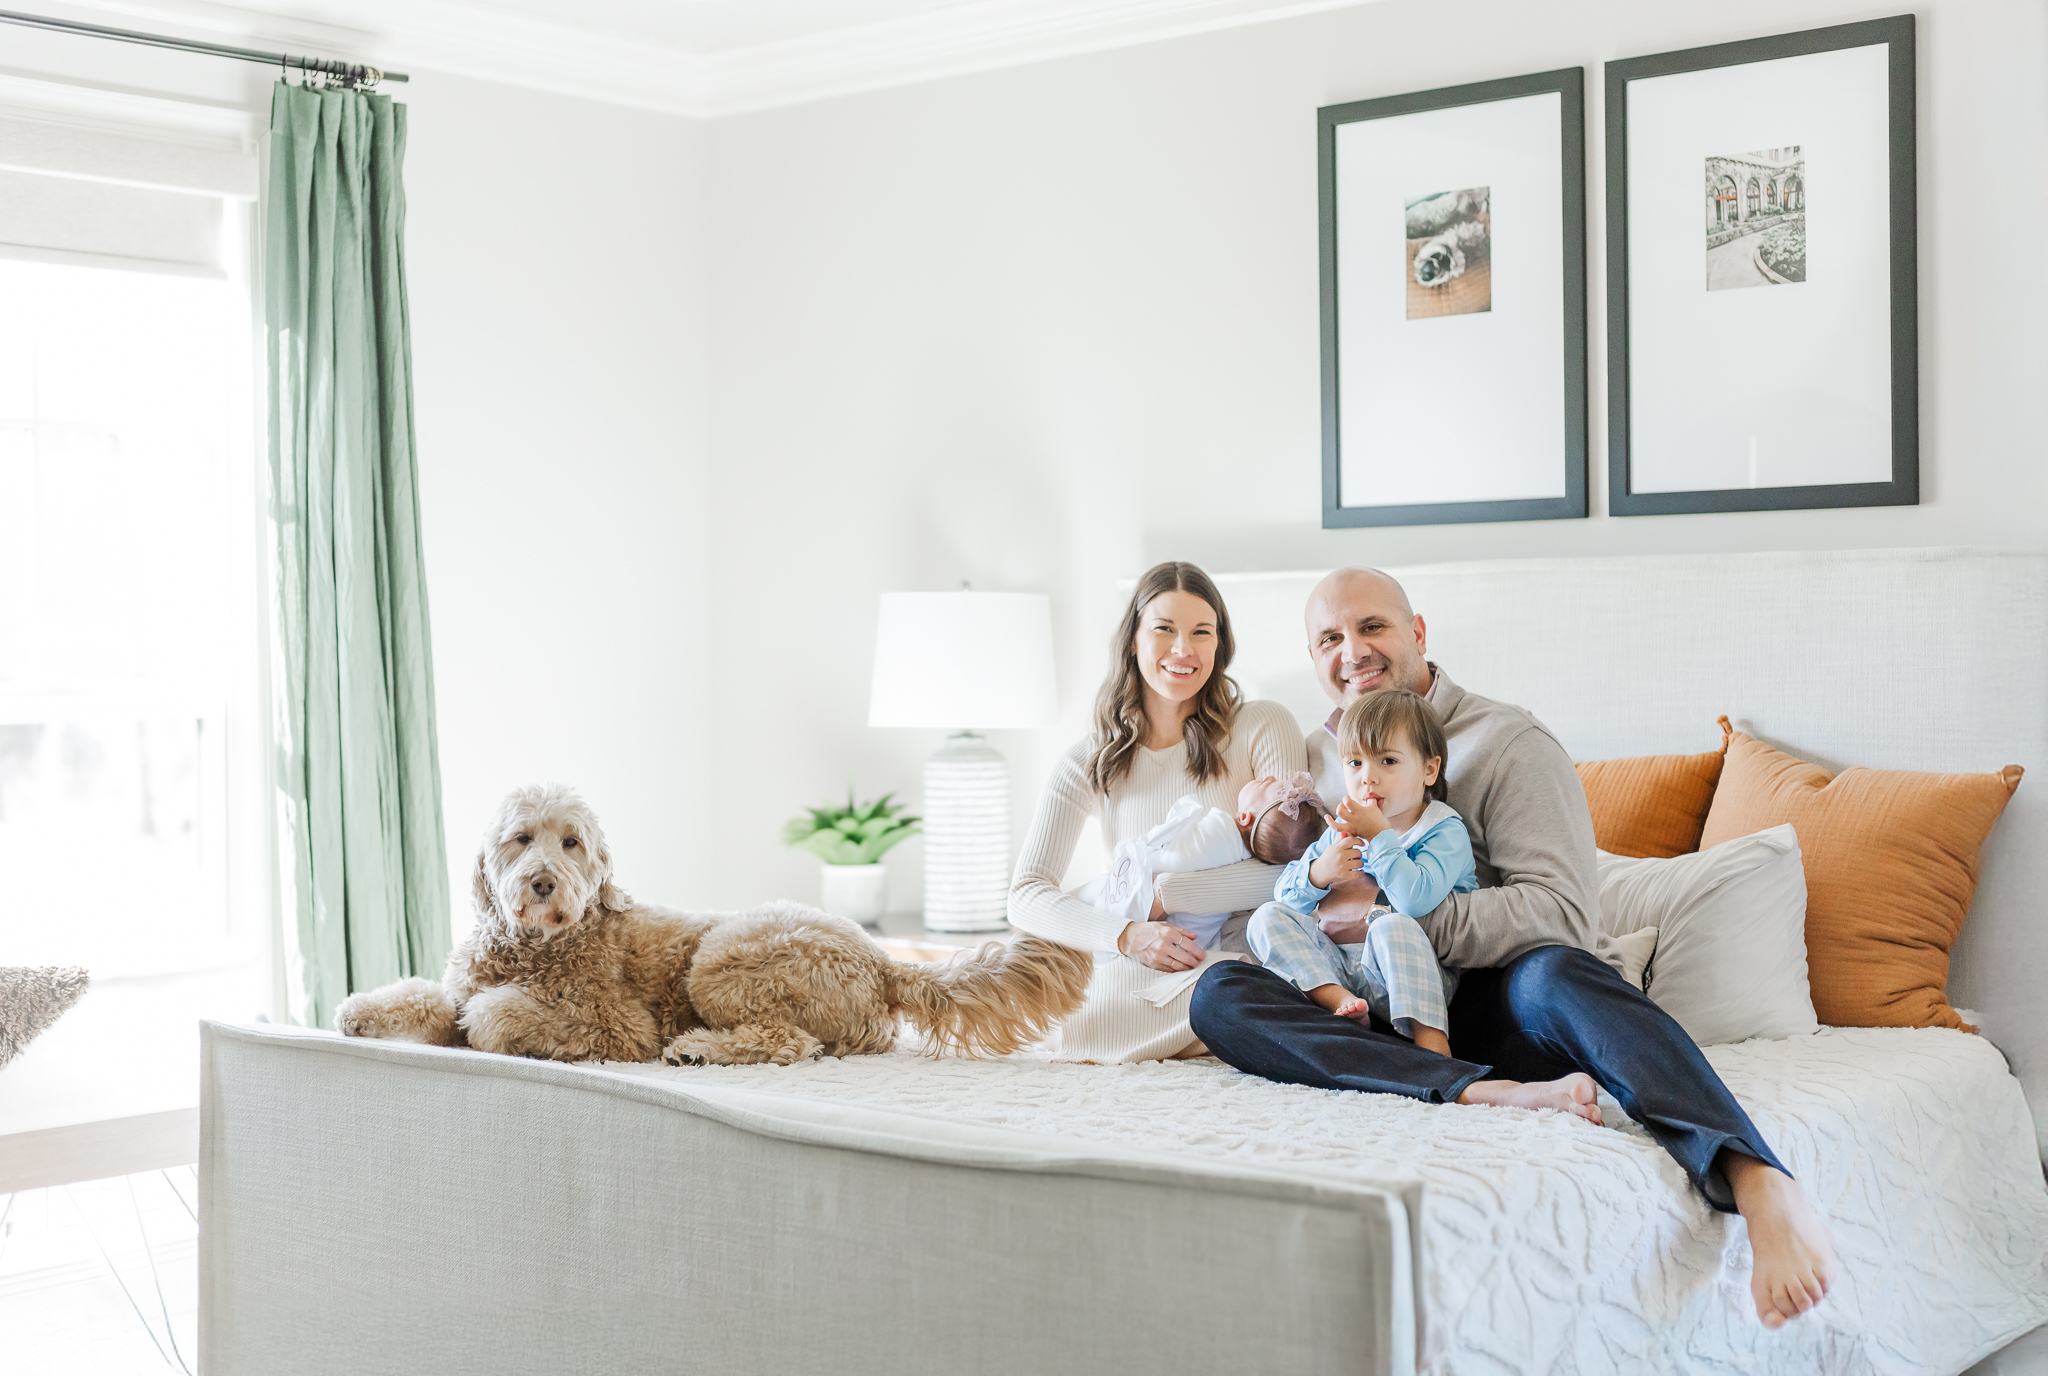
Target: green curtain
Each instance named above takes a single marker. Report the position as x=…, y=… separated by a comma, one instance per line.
x=363, y=868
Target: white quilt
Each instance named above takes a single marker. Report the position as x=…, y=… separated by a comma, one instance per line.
x=1555, y=1246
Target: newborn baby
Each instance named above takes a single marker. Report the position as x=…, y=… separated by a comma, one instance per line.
x=1276, y=821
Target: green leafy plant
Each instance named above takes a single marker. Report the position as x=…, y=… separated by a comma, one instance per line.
x=1784, y=249
x=857, y=834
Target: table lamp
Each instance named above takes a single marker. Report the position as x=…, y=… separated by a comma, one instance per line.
x=964, y=661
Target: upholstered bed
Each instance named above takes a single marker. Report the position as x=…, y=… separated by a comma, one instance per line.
x=378, y=1207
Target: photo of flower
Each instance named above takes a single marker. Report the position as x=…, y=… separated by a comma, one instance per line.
x=1450, y=259
x=1756, y=219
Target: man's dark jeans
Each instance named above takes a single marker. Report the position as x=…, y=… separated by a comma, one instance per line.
x=1545, y=1014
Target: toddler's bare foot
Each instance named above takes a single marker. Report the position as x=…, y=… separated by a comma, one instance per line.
x=1335, y=998
x=1795, y=1256
x=1574, y=1094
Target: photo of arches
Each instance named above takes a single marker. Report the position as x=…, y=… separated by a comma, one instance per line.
x=1756, y=219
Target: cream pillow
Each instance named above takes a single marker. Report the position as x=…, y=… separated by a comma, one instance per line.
x=1730, y=957
x=1635, y=950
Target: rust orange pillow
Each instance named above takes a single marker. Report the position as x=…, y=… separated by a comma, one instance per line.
x=1891, y=863
x=1651, y=805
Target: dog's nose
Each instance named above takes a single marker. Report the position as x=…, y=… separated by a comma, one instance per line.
x=544, y=885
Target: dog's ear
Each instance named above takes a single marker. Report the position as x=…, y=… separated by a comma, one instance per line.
x=482, y=896
x=610, y=896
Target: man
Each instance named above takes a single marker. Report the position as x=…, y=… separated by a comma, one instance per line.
x=1534, y=1002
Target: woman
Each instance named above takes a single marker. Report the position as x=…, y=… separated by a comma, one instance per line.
x=1168, y=722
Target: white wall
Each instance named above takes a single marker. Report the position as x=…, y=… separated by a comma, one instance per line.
x=1042, y=327
x=556, y=265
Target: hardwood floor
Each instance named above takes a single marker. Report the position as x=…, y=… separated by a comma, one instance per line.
x=101, y=1278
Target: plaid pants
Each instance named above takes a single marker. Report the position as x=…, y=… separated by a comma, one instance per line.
x=1394, y=969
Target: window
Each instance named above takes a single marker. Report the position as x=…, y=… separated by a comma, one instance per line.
x=1723, y=201
x=127, y=610
x=134, y=812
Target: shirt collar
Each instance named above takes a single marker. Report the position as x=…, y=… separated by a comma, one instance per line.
x=1431, y=815
x=1438, y=681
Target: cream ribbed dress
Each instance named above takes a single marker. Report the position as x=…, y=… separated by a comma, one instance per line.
x=1116, y=1025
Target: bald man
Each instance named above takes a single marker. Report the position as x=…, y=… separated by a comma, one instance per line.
x=1535, y=1001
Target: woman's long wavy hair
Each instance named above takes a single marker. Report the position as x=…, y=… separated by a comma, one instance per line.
x=1120, y=705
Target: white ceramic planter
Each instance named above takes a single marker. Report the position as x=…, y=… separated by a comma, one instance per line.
x=860, y=892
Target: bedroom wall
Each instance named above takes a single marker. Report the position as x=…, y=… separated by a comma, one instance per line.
x=1041, y=327
x=556, y=265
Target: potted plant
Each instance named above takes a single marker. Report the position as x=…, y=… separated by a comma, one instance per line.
x=852, y=840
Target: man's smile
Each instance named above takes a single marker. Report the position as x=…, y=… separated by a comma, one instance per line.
x=1364, y=674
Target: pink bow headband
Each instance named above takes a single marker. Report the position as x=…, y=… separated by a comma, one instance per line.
x=1295, y=790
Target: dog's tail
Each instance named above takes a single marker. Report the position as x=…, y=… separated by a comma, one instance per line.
x=993, y=1001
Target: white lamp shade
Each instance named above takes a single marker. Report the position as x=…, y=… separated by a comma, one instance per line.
x=965, y=661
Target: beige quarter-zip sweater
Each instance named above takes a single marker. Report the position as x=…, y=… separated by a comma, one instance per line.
x=1532, y=834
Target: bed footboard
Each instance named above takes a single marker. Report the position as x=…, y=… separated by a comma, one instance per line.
x=373, y=1207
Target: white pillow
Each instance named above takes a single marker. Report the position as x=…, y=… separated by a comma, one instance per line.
x=1635, y=949
x=1730, y=959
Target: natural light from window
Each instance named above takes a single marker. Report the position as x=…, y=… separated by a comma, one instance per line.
x=126, y=609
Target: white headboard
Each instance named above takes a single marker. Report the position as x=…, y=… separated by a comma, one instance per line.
x=1895, y=659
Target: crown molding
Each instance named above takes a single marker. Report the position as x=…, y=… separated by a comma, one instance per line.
x=461, y=40
x=963, y=39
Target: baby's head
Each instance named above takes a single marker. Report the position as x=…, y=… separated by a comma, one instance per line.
x=1279, y=817
x=1393, y=748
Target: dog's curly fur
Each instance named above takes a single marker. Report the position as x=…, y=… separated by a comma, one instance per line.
x=563, y=965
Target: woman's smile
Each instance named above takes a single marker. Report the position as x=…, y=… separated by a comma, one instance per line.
x=1175, y=648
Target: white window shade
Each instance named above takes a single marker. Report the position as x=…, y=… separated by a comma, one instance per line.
x=100, y=198
x=964, y=661
x=63, y=219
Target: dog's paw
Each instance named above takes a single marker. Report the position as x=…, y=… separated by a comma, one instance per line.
x=690, y=1048
x=411, y=1010
x=792, y=1047
x=349, y=1019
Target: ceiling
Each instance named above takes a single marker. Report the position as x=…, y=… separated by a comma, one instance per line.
x=703, y=27
x=694, y=57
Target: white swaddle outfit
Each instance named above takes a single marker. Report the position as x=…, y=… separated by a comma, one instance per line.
x=1192, y=837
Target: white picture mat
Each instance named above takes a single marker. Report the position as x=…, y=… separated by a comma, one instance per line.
x=1461, y=408
x=1800, y=372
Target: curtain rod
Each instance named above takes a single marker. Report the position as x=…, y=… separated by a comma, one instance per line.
x=355, y=75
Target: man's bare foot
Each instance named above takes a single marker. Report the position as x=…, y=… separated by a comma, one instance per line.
x=1795, y=1255
x=1574, y=1094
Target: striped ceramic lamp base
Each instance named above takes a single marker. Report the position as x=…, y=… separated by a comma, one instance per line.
x=966, y=836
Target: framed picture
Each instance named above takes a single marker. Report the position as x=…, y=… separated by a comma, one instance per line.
x=1454, y=304
x=1761, y=314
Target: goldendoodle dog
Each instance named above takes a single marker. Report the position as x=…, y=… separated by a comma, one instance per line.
x=563, y=965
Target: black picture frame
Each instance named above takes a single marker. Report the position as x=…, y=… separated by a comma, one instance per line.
x=1569, y=83
x=1903, y=489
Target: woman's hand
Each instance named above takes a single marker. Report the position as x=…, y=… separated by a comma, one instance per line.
x=1342, y=860
x=1160, y=946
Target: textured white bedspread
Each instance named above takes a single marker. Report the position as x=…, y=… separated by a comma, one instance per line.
x=1555, y=1246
